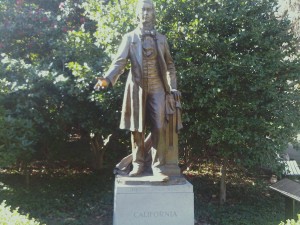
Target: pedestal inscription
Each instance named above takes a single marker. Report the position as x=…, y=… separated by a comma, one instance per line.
x=149, y=204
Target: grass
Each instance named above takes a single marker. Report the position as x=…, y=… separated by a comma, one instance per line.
x=246, y=204
x=61, y=198
x=249, y=199
x=70, y=196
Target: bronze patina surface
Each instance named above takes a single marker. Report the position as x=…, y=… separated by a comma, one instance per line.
x=151, y=100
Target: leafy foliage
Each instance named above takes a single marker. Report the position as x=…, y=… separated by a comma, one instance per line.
x=48, y=72
x=291, y=222
x=8, y=216
x=239, y=77
x=17, y=139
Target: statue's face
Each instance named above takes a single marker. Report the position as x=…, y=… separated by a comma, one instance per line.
x=146, y=13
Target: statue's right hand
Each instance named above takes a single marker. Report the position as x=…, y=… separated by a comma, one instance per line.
x=101, y=84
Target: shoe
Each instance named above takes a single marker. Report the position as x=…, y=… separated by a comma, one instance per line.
x=161, y=176
x=135, y=173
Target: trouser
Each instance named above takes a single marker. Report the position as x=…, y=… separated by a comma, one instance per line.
x=154, y=109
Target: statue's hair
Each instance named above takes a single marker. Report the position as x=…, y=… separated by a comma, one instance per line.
x=139, y=3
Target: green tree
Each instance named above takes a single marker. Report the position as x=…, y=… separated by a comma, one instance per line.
x=239, y=75
x=48, y=69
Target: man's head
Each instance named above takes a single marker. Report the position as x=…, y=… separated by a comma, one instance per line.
x=145, y=12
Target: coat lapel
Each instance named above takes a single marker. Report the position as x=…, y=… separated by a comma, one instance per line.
x=136, y=47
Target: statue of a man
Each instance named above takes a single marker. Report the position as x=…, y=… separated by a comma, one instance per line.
x=151, y=80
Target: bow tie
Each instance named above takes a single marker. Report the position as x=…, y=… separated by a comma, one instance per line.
x=151, y=33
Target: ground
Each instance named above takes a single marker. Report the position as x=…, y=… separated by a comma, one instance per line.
x=67, y=195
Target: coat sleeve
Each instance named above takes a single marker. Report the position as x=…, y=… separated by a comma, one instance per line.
x=118, y=65
x=171, y=72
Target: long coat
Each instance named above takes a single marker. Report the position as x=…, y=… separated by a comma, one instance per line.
x=132, y=117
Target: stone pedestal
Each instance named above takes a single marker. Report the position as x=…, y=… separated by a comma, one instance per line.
x=144, y=201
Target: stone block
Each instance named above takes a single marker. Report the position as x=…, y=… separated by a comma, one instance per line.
x=153, y=203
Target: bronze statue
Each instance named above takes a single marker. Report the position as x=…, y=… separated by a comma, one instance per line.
x=150, y=91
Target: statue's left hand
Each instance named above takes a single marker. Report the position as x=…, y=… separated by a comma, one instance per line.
x=176, y=93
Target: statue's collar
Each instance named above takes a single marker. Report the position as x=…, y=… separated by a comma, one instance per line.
x=144, y=32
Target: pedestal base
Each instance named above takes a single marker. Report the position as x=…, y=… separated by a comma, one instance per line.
x=148, y=203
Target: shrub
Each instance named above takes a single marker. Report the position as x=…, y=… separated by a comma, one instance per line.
x=292, y=221
x=13, y=217
x=16, y=140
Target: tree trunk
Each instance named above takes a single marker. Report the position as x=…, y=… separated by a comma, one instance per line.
x=97, y=152
x=223, y=183
x=98, y=160
x=23, y=168
x=98, y=144
x=27, y=177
